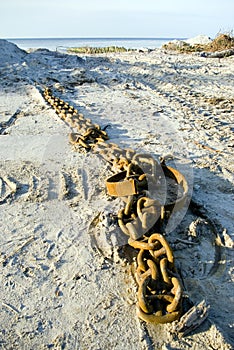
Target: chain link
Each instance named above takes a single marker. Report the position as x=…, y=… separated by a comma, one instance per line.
x=159, y=288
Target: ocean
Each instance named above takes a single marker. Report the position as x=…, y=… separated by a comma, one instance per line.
x=61, y=44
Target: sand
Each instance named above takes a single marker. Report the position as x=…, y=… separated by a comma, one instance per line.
x=63, y=283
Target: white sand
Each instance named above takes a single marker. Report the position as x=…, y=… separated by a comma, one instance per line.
x=58, y=291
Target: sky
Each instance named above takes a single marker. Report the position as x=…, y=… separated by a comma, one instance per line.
x=115, y=18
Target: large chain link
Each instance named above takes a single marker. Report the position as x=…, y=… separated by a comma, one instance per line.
x=159, y=287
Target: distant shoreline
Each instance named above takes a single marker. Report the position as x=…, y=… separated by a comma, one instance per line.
x=54, y=43
x=98, y=38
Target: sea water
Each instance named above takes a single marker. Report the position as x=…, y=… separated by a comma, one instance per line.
x=61, y=44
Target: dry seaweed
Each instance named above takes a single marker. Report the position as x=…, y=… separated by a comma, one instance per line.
x=222, y=42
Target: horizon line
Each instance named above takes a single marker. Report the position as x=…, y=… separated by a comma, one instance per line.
x=95, y=37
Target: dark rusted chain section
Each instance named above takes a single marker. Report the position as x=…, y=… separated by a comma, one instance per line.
x=160, y=291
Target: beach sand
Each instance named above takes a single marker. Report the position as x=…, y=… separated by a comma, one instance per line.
x=63, y=284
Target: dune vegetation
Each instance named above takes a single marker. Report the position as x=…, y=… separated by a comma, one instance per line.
x=220, y=43
x=97, y=50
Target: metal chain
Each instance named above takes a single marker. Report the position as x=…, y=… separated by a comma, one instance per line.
x=159, y=287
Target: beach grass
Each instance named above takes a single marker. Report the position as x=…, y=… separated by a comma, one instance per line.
x=97, y=50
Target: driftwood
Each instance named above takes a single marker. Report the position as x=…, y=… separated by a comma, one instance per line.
x=7, y=189
x=218, y=54
x=192, y=319
x=10, y=122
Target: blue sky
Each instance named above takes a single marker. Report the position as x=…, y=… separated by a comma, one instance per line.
x=114, y=18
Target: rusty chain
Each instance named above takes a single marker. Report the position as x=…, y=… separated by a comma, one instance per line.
x=159, y=288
